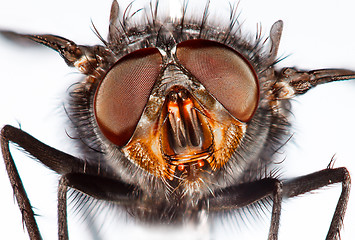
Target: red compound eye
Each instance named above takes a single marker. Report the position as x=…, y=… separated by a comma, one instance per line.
x=225, y=73
x=123, y=93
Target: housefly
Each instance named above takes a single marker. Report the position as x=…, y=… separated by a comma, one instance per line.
x=304, y=36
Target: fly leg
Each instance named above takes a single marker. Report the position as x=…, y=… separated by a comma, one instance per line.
x=75, y=173
x=307, y=183
x=16, y=183
x=247, y=193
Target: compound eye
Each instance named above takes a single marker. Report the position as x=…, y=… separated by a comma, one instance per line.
x=225, y=73
x=123, y=93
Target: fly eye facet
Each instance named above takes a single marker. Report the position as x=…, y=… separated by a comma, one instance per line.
x=123, y=93
x=225, y=73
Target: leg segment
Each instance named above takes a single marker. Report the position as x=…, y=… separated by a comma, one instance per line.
x=18, y=189
x=62, y=210
x=95, y=186
x=54, y=159
x=276, y=212
x=248, y=193
x=75, y=173
x=320, y=179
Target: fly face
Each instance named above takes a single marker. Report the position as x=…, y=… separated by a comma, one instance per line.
x=176, y=97
x=172, y=126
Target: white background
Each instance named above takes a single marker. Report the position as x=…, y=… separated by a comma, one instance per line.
x=33, y=83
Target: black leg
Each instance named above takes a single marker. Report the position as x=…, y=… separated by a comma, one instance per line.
x=103, y=188
x=320, y=179
x=248, y=193
x=56, y=160
x=62, y=210
x=75, y=174
x=276, y=212
x=18, y=189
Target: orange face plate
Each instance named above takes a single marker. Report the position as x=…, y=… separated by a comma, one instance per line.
x=186, y=140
